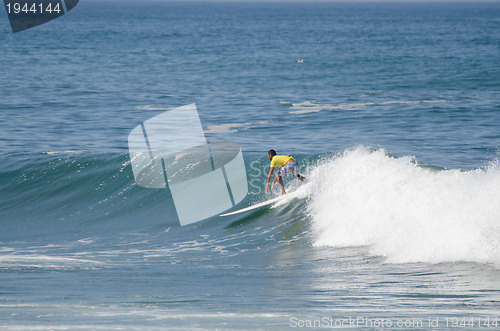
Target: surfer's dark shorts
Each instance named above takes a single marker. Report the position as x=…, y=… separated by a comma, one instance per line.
x=289, y=168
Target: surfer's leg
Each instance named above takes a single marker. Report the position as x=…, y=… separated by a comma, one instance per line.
x=280, y=180
x=295, y=171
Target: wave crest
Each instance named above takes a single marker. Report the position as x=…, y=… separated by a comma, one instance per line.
x=404, y=211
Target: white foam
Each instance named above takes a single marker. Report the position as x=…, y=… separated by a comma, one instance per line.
x=86, y=241
x=63, y=152
x=307, y=107
x=44, y=261
x=233, y=127
x=405, y=212
x=153, y=107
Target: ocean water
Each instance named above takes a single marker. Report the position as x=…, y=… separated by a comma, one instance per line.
x=392, y=110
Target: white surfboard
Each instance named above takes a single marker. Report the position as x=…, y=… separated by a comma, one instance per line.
x=257, y=205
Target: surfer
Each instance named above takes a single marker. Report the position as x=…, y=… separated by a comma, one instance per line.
x=286, y=165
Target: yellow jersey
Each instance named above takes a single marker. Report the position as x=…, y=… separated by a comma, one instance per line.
x=280, y=160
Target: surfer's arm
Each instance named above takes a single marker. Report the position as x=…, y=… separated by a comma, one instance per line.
x=269, y=178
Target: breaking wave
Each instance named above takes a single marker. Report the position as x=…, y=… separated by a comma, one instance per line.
x=404, y=211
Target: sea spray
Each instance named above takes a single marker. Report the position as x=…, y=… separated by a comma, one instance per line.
x=404, y=211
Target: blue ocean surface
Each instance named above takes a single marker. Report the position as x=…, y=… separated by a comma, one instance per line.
x=391, y=109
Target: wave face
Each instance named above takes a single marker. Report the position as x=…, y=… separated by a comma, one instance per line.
x=66, y=194
x=399, y=209
x=404, y=211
